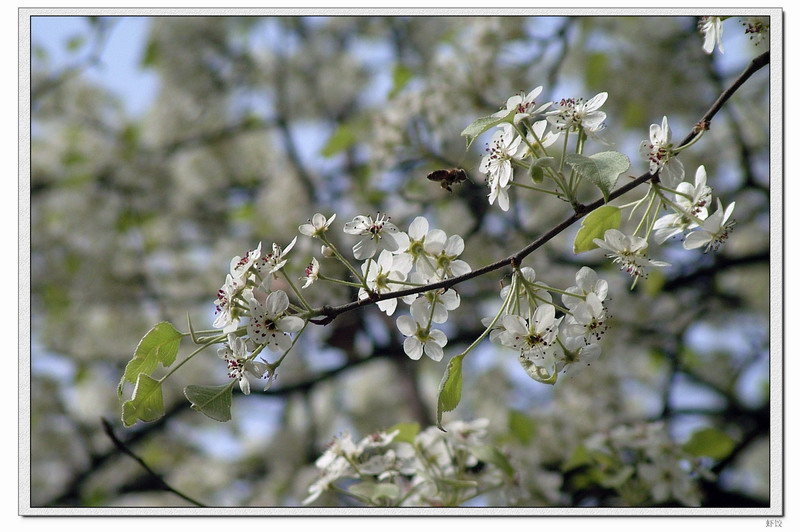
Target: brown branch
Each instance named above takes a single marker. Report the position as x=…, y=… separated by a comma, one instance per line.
x=159, y=480
x=328, y=313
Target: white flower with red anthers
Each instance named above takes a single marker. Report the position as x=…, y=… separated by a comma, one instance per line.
x=228, y=313
x=532, y=338
x=693, y=201
x=658, y=151
x=711, y=27
x=523, y=105
x=528, y=296
x=714, y=231
x=444, y=262
x=235, y=355
x=311, y=273
x=383, y=276
x=269, y=323
x=628, y=251
x=576, y=355
x=587, y=319
x=241, y=265
x=586, y=282
x=574, y=114
x=497, y=163
x=272, y=262
x=420, y=338
x=380, y=233
x=317, y=225
x=539, y=139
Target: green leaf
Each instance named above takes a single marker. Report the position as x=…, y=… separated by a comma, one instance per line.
x=147, y=403
x=709, y=442
x=376, y=491
x=213, y=401
x=401, y=75
x=449, y=388
x=536, y=173
x=483, y=124
x=595, y=225
x=596, y=70
x=159, y=345
x=408, y=431
x=580, y=457
x=521, y=426
x=342, y=138
x=602, y=169
x=492, y=455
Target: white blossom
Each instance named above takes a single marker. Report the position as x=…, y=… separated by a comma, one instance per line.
x=382, y=276
x=420, y=338
x=523, y=105
x=628, y=252
x=271, y=263
x=658, y=151
x=317, y=225
x=311, y=273
x=228, y=314
x=269, y=323
x=571, y=114
x=586, y=281
x=714, y=231
x=235, y=355
x=380, y=233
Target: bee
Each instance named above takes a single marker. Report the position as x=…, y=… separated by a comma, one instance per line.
x=448, y=178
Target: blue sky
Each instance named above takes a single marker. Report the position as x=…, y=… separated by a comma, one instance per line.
x=119, y=63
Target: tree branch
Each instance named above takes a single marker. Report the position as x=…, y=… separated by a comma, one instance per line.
x=328, y=313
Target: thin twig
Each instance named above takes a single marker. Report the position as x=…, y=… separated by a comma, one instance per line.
x=122, y=447
x=328, y=313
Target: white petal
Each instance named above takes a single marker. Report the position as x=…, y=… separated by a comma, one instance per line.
x=277, y=303
x=407, y=325
x=696, y=239
x=434, y=351
x=290, y=324
x=439, y=337
x=418, y=228
x=365, y=249
x=413, y=348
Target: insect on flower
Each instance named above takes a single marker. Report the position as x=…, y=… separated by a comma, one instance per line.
x=448, y=178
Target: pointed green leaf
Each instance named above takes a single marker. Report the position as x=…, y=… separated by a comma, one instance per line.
x=401, y=75
x=492, y=455
x=342, y=138
x=580, y=457
x=449, y=388
x=146, y=404
x=521, y=426
x=408, y=431
x=483, y=124
x=213, y=401
x=595, y=225
x=709, y=442
x=602, y=169
x=159, y=345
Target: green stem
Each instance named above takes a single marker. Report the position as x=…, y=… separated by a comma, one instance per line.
x=295, y=290
x=537, y=189
x=192, y=355
x=343, y=260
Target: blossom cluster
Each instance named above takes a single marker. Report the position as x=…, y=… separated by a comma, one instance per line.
x=650, y=462
x=430, y=467
x=688, y=201
x=523, y=138
x=246, y=294
x=549, y=345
